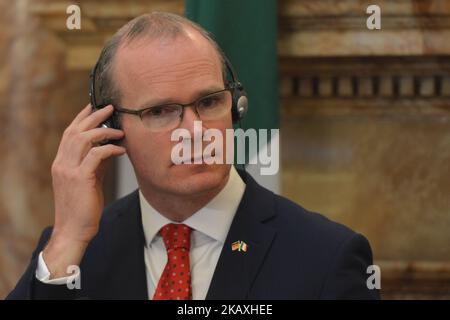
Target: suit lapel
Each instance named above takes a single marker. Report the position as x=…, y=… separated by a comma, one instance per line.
x=236, y=270
x=128, y=277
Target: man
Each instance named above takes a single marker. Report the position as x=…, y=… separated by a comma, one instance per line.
x=191, y=231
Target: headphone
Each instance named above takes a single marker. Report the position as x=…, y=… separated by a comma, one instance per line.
x=240, y=101
x=239, y=96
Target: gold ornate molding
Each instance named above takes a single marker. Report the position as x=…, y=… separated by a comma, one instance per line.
x=99, y=21
x=324, y=28
x=415, y=280
x=320, y=28
x=343, y=85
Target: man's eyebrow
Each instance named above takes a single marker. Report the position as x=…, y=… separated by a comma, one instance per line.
x=199, y=94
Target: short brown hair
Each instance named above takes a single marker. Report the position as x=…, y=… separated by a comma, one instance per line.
x=153, y=25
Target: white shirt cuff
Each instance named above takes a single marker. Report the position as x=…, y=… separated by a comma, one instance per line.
x=43, y=274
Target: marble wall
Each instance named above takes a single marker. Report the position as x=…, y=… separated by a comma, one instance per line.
x=39, y=97
x=369, y=115
x=32, y=111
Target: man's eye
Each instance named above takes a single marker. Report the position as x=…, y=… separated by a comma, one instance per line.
x=209, y=102
x=161, y=111
x=155, y=111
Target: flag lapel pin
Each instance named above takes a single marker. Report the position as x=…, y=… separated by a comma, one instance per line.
x=239, y=246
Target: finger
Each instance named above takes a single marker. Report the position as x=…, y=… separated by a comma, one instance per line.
x=95, y=118
x=97, y=155
x=95, y=136
x=77, y=146
x=85, y=112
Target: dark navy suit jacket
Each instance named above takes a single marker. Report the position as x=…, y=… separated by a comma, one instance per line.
x=292, y=254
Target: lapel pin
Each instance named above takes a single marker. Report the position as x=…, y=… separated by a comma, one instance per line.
x=239, y=246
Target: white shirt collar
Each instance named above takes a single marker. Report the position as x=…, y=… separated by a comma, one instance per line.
x=213, y=220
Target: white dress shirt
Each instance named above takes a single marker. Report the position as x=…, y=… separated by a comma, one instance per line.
x=210, y=226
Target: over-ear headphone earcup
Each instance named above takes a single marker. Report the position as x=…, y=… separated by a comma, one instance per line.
x=240, y=103
x=112, y=122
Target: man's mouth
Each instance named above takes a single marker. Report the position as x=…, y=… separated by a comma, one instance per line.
x=199, y=159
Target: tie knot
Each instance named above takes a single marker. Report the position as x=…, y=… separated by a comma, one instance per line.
x=176, y=236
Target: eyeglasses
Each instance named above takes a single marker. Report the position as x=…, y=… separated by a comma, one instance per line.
x=166, y=117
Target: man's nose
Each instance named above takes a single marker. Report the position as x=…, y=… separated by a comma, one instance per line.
x=189, y=116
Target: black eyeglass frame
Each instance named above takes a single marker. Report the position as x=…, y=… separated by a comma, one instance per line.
x=194, y=103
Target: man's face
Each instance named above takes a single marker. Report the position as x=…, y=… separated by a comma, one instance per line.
x=154, y=72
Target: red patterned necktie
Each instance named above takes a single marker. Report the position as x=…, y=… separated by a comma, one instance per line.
x=175, y=281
